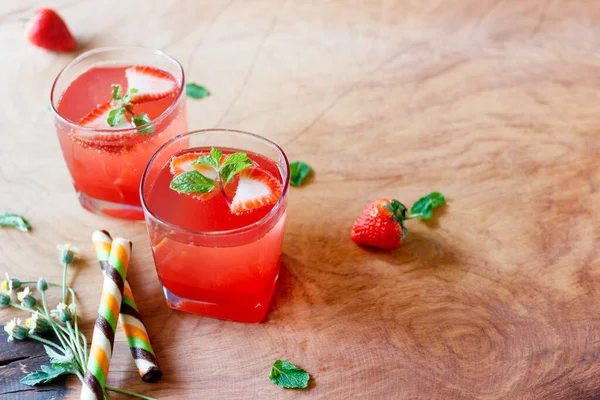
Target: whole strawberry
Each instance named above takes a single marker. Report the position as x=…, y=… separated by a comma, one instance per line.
x=381, y=224
x=48, y=30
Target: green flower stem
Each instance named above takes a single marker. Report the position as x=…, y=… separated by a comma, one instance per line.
x=49, y=343
x=55, y=326
x=85, y=346
x=75, y=339
x=139, y=396
x=79, y=376
x=20, y=307
x=412, y=216
x=64, y=283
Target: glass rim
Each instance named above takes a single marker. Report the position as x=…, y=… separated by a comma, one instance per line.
x=268, y=216
x=98, y=50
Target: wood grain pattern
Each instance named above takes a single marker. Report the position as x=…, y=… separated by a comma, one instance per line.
x=494, y=103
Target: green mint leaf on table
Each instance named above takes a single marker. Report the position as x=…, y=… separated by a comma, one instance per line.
x=142, y=119
x=117, y=92
x=57, y=358
x=425, y=205
x=14, y=221
x=287, y=375
x=298, y=171
x=47, y=373
x=196, y=91
x=192, y=182
x=115, y=116
x=233, y=165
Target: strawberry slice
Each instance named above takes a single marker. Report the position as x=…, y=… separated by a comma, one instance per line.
x=256, y=188
x=103, y=132
x=151, y=83
x=183, y=163
x=98, y=117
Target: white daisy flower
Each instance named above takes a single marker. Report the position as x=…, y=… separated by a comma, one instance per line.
x=22, y=295
x=32, y=322
x=11, y=328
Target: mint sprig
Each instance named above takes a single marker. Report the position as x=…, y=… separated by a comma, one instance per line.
x=194, y=182
x=423, y=208
x=115, y=116
x=233, y=165
x=298, y=171
x=286, y=375
x=196, y=91
x=16, y=221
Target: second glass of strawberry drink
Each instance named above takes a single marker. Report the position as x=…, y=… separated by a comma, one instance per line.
x=113, y=108
x=215, y=204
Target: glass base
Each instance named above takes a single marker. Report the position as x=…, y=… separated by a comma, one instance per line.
x=249, y=313
x=110, y=209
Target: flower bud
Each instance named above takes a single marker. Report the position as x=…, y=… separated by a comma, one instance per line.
x=42, y=285
x=15, y=283
x=4, y=300
x=42, y=326
x=20, y=332
x=65, y=316
x=29, y=301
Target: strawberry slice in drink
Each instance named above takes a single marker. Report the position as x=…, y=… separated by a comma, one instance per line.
x=183, y=163
x=256, y=188
x=102, y=132
x=151, y=83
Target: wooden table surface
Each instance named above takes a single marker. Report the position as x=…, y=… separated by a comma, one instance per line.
x=494, y=103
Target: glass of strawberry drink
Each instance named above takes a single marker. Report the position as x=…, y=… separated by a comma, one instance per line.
x=215, y=203
x=113, y=108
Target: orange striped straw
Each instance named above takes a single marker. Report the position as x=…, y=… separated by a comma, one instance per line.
x=103, y=338
x=130, y=318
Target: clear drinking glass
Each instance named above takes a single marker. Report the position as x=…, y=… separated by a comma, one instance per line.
x=107, y=165
x=228, y=274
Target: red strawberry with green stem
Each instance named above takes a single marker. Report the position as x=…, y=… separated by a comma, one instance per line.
x=381, y=224
x=48, y=30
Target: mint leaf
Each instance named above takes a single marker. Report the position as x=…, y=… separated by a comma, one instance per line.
x=117, y=92
x=115, y=116
x=14, y=221
x=216, y=155
x=140, y=120
x=127, y=98
x=205, y=160
x=298, y=171
x=233, y=165
x=286, y=375
x=426, y=204
x=192, y=182
x=196, y=91
x=57, y=358
x=47, y=374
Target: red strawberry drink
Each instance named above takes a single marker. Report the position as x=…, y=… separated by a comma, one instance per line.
x=215, y=204
x=113, y=108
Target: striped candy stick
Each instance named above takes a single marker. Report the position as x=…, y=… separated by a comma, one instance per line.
x=106, y=322
x=130, y=319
